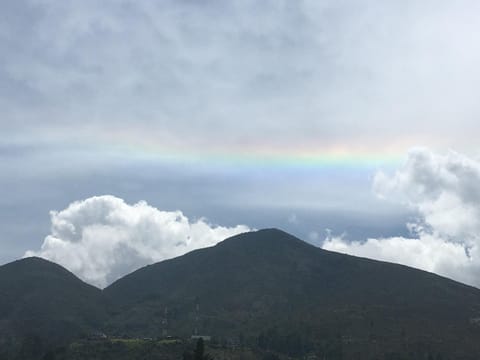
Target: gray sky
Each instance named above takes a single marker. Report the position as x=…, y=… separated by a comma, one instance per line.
x=266, y=114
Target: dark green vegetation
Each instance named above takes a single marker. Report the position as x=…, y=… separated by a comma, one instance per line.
x=265, y=293
x=122, y=349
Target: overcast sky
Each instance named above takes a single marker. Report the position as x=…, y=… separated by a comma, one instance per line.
x=351, y=124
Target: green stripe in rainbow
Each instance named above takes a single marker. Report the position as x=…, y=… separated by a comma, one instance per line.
x=249, y=157
x=164, y=147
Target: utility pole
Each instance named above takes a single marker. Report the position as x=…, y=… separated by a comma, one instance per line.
x=197, y=316
x=165, y=323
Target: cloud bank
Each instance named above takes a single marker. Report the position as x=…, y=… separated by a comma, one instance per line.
x=103, y=238
x=445, y=237
x=164, y=72
x=155, y=92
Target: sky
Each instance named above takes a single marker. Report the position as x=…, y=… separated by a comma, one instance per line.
x=135, y=131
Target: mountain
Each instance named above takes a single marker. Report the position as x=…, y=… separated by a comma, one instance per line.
x=270, y=289
x=42, y=304
x=264, y=292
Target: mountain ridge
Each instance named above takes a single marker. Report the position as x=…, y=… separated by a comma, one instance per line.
x=277, y=231
x=269, y=279
x=266, y=288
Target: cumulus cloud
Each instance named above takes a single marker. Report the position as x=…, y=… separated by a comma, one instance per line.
x=103, y=238
x=445, y=237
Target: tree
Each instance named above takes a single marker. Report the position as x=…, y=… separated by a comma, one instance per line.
x=49, y=355
x=270, y=356
x=199, y=352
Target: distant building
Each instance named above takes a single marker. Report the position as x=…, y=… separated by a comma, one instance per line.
x=203, y=337
x=97, y=335
x=475, y=321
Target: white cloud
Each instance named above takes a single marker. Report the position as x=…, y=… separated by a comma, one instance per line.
x=445, y=191
x=103, y=238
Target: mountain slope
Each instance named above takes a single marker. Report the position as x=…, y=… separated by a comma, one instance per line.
x=42, y=303
x=269, y=284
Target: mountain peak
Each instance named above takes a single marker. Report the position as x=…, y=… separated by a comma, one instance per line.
x=34, y=260
x=33, y=267
x=264, y=238
x=31, y=264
